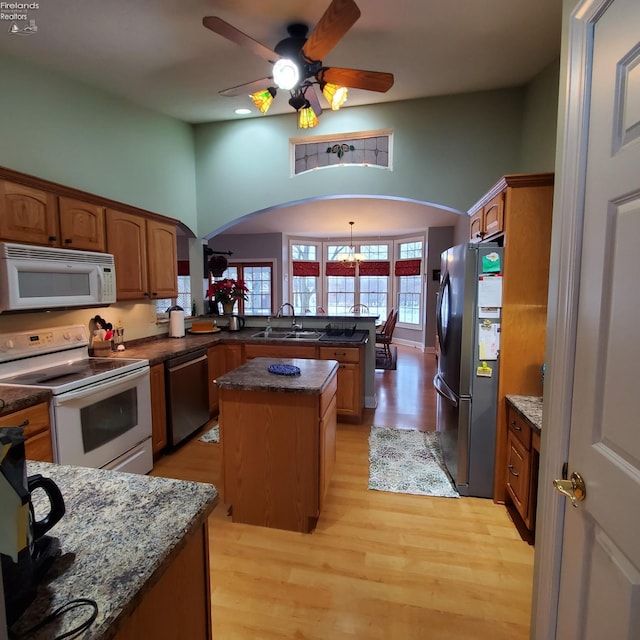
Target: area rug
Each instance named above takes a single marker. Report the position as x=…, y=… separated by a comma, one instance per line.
x=405, y=461
x=382, y=362
x=212, y=435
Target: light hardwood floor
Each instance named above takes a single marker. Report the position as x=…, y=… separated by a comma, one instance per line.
x=378, y=565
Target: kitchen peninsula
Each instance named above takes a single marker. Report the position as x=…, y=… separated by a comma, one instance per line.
x=277, y=434
x=126, y=545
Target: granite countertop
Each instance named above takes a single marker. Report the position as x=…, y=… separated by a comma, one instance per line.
x=157, y=350
x=255, y=376
x=17, y=398
x=119, y=530
x=530, y=407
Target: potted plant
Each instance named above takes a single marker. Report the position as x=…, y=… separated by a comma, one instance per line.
x=226, y=292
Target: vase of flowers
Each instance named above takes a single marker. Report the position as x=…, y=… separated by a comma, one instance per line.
x=227, y=292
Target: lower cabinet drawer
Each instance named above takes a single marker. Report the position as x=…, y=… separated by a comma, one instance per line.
x=341, y=354
x=518, y=470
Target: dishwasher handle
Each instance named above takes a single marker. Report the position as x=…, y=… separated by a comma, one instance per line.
x=175, y=364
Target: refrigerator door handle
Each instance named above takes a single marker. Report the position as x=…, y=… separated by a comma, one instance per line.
x=444, y=391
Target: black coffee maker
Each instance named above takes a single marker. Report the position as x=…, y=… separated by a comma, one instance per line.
x=26, y=552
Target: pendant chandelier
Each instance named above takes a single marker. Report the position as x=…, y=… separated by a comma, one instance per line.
x=350, y=258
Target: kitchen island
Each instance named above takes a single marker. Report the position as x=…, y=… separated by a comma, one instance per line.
x=277, y=434
x=134, y=544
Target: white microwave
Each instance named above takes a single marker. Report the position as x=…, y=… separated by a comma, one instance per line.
x=34, y=277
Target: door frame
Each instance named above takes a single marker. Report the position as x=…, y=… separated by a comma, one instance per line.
x=564, y=282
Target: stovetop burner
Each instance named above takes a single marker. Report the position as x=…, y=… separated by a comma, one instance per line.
x=58, y=375
x=57, y=359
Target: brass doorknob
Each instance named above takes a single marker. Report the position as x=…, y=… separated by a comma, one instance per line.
x=574, y=488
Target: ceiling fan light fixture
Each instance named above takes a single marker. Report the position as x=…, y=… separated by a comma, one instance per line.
x=286, y=74
x=263, y=99
x=307, y=118
x=335, y=95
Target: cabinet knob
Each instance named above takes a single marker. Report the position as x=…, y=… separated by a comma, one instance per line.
x=68, y=240
x=516, y=426
x=515, y=474
x=52, y=238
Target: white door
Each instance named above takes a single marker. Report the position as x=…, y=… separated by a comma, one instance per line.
x=594, y=572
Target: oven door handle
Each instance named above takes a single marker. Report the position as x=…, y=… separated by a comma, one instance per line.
x=91, y=389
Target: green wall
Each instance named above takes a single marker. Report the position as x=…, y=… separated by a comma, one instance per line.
x=69, y=133
x=540, y=121
x=446, y=151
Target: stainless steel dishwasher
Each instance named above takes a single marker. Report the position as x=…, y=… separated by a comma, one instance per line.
x=187, y=395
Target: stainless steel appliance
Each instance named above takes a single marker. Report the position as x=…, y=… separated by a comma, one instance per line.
x=34, y=277
x=236, y=323
x=468, y=331
x=187, y=395
x=101, y=407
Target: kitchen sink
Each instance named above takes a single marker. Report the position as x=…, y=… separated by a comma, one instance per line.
x=303, y=335
x=274, y=335
x=288, y=335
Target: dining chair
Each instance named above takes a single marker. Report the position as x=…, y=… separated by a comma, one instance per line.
x=359, y=309
x=386, y=336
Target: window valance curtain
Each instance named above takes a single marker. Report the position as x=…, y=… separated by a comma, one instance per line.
x=409, y=267
x=306, y=268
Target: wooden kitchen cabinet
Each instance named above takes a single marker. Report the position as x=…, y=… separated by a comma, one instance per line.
x=28, y=215
x=350, y=373
x=82, y=225
x=37, y=430
x=526, y=240
x=145, y=254
x=162, y=256
x=187, y=616
x=158, y=409
x=280, y=351
x=278, y=452
x=522, y=465
x=350, y=370
x=488, y=221
x=221, y=358
x=36, y=216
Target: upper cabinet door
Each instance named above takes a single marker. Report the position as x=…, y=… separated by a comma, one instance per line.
x=126, y=240
x=493, y=216
x=81, y=225
x=28, y=215
x=162, y=256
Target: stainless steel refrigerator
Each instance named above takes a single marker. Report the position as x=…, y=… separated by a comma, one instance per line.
x=468, y=311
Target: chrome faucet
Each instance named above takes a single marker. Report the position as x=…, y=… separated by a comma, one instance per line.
x=282, y=306
x=294, y=324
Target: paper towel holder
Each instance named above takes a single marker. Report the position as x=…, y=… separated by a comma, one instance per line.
x=176, y=324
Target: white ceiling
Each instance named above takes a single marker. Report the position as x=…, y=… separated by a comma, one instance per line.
x=156, y=53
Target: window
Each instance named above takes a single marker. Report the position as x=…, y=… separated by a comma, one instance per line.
x=374, y=289
x=340, y=294
x=410, y=286
x=183, y=300
x=258, y=278
x=305, y=278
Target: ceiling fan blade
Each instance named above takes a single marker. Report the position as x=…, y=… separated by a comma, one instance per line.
x=224, y=29
x=248, y=87
x=311, y=95
x=339, y=17
x=357, y=79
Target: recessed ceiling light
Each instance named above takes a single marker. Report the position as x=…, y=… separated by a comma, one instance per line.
x=243, y=111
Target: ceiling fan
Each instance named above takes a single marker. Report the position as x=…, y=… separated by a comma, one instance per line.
x=297, y=64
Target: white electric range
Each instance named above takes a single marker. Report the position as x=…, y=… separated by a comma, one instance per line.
x=101, y=407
